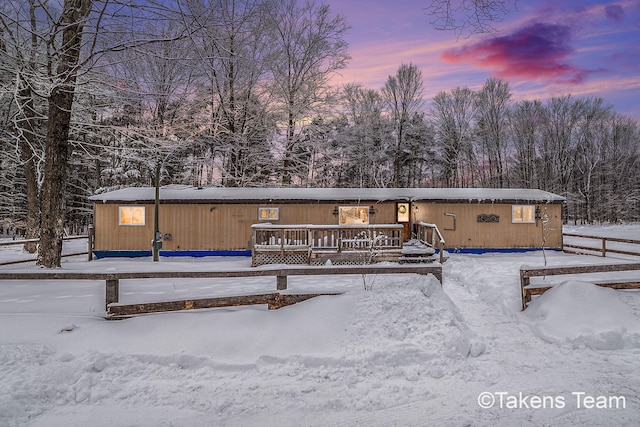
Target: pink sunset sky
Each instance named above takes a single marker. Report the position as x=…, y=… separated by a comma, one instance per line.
x=542, y=48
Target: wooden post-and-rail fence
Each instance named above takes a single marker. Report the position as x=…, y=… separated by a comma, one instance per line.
x=528, y=290
x=603, y=248
x=88, y=252
x=116, y=310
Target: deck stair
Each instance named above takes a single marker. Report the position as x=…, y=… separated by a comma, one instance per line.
x=415, y=252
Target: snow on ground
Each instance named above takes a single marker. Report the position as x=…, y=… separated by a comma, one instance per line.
x=407, y=352
x=585, y=322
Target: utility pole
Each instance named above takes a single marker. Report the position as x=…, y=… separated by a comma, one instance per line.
x=156, y=242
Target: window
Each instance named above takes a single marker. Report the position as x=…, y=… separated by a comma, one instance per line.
x=354, y=215
x=268, y=214
x=131, y=215
x=523, y=214
x=402, y=210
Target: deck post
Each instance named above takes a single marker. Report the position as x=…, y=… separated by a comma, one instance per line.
x=253, y=247
x=438, y=275
x=282, y=234
x=281, y=281
x=112, y=291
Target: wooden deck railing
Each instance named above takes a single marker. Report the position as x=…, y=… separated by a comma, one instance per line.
x=269, y=238
x=429, y=234
x=602, y=248
x=338, y=237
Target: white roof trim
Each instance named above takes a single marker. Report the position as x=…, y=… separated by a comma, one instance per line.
x=218, y=194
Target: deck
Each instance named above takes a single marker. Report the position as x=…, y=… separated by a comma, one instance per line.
x=342, y=245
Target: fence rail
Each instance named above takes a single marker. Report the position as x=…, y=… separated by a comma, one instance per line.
x=603, y=248
x=22, y=242
x=526, y=273
x=112, y=284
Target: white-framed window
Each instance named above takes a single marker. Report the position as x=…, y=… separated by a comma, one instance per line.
x=268, y=214
x=353, y=215
x=131, y=215
x=402, y=212
x=523, y=214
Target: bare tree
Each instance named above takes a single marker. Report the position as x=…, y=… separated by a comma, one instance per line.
x=309, y=48
x=21, y=58
x=591, y=140
x=70, y=39
x=452, y=115
x=323, y=155
x=364, y=161
x=492, y=105
x=67, y=45
x=158, y=79
x=525, y=121
x=403, y=95
x=419, y=153
x=467, y=17
x=233, y=46
x=560, y=137
x=618, y=194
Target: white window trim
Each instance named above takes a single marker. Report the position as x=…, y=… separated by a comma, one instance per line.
x=269, y=217
x=523, y=220
x=131, y=224
x=403, y=216
x=340, y=208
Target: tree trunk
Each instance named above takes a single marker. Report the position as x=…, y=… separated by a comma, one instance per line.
x=288, y=162
x=27, y=144
x=57, y=142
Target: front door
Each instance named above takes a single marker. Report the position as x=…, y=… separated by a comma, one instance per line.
x=403, y=216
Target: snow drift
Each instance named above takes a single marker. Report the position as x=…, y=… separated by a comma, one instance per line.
x=322, y=354
x=583, y=314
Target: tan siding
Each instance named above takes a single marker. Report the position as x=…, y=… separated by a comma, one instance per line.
x=111, y=236
x=471, y=233
x=212, y=226
x=228, y=226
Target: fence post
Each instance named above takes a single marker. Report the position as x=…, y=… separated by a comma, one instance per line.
x=524, y=282
x=112, y=291
x=281, y=281
x=604, y=247
x=90, y=238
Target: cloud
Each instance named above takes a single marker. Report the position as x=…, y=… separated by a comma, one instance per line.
x=537, y=51
x=614, y=12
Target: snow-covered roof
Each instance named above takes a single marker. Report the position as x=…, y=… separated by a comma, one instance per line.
x=185, y=194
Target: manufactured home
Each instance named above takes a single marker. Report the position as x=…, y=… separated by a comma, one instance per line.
x=223, y=221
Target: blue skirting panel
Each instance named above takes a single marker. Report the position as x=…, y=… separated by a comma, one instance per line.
x=495, y=250
x=247, y=252
x=121, y=254
x=194, y=253
x=201, y=253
